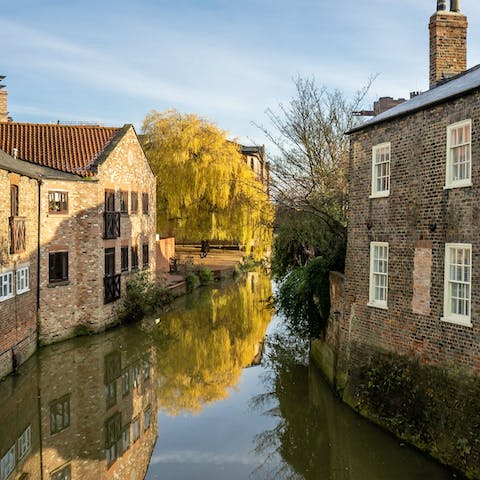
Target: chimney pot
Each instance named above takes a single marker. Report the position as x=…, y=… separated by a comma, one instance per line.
x=455, y=5
x=441, y=5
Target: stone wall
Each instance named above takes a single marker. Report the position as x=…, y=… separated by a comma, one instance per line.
x=18, y=315
x=78, y=305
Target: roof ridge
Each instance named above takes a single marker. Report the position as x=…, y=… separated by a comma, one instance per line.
x=58, y=125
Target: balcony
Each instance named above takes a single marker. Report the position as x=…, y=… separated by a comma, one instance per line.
x=111, y=285
x=17, y=234
x=111, y=225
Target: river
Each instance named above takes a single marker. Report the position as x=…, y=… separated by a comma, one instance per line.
x=214, y=389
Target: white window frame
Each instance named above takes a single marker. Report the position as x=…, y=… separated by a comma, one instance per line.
x=22, y=279
x=376, y=193
x=7, y=463
x=6, y=279
x=24, y=442
x=373, y=301
x=448, y=316
x=449, y=181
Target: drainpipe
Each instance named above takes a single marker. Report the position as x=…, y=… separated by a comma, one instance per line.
x=39, y=182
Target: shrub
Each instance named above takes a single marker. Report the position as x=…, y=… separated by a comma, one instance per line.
x=192, y=281
x=205, y=275
x=143, y=298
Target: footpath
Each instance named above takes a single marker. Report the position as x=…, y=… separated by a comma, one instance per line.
x=220, y=261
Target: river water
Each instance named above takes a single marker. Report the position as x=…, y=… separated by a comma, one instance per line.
x=213, y=389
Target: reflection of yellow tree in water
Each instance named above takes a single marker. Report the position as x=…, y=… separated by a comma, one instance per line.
x=210, y=343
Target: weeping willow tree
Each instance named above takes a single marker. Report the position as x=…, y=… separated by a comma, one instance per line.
x=204, y=188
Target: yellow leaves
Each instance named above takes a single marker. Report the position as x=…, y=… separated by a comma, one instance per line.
x=204, y=188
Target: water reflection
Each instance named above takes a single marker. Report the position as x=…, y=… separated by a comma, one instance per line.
x=81, y=409
x=316, y=436
x=203, y=347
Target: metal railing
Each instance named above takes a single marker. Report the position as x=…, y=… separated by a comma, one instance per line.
x=112, y=287
x=111, y=225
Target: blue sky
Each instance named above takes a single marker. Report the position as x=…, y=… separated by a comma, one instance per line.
x=113, y=61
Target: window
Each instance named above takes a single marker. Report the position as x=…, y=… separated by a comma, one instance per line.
x=57, y=202
x=23, y=280
x=57, y=267
x=113, y=431
x=124, y=257
x=60, y=414
x=135, y=429
x=7, y=463
x=378, y=274
x=124, y=202
x=13, y=200
x=134, y=257
x=109, y=201
x=381, y=170
x=24, y=442
x=109, y=261
x=135, y=376
x=126, y=438
x=459, y=164
x=111, y=389
x=146, y=418
x=134, y=202
x=63, y=474
x=145, y=203
x=145, y=255
x=125, y=383
x=6, y=286
x=458, y=282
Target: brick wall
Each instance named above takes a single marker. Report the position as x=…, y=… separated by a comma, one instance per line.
x=18, y=318
x=448, y=45
x=417, y=219
x=3, y=106
x=80, y=301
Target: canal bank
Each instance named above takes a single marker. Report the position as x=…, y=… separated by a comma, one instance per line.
x=436, y=408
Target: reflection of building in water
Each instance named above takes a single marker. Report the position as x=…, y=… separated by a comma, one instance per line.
x=97, y=413
x=19, y=428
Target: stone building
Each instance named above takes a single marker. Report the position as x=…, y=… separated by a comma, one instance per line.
x=97, y=220
x=255, y=158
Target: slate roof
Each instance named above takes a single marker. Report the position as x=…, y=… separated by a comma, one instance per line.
x=67, y=148
x=453, y=88
x=31, y=170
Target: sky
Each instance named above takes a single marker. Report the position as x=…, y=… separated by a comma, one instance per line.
x=112, y=62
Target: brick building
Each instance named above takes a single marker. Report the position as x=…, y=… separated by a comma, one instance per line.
x=403, y=341
x=97, y=220
x=411, y=282
x=18, y=262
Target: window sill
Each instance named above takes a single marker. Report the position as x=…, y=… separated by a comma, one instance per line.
x=458, y=185
x=4, y=299
x=380, y=195
x=376, y=305
x=58, y=284
x=19, y=292
x=455, y=321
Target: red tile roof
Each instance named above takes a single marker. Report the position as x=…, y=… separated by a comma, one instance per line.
x=67, y=148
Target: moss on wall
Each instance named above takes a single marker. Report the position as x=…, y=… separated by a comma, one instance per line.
x=435, y=408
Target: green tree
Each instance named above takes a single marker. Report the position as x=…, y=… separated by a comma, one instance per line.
x=204, y=188
x=309, y=187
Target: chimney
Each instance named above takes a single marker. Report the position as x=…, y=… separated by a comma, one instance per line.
x=3, y=102
x=448, y=42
